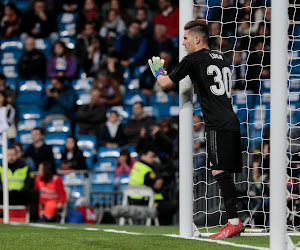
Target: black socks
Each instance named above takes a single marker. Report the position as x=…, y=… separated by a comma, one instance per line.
x=229, y=193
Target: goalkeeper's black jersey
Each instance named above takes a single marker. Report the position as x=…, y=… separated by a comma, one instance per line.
x=211, y=75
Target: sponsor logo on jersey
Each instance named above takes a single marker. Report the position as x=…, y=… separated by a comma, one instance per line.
x=216, y=56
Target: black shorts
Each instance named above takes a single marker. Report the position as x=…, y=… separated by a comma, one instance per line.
x=224, y=150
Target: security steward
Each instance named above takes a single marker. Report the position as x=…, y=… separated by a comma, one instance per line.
x=142, y=173
x=20, y=184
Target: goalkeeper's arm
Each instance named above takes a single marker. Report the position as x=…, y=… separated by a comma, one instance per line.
x=165, y=82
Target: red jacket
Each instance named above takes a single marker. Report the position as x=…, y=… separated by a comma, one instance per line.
x=52, y=190
x=171, y=21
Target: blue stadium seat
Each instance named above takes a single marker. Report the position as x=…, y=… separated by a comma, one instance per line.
x=294, y=99
x=105, y=165
x=123, y=182
x=131, y=98
x=103, y=181
x=161, y=110
x=124, y=112
x=82, y=84
x=29, y=92
x=260, y=116
x=89, y=157
x=12, y=82
x=20, y=4
x=87, y=142
x=110, y=153
x=11, y=45
x=160, y=98
x=29, y=112
x=10, y=71
x=76, y=182
x=28, y=125
x=59, y=127
x=176, y=101
x=69, y=40
x=67, y=24
x=265, y=85
x=293, y=115
x=83, y=97
x=43, y=45
x=10, y=57
x=294, y=85
x=57, y=141
x=244, y=99
x=25, y=138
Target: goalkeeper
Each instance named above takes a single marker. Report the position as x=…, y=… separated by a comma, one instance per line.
x=211, y=76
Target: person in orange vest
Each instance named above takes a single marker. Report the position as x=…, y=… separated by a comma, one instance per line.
x=51, y=190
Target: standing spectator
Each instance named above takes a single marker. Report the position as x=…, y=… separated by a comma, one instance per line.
x=20, y=155
x=61, y=62
x=199, y=142
x=112, y=28
x=92, y=116
x=10, y=22
x=132, y=46
x=59, y=102
x=52, y=195
x=146, y=24
x=90, y=13
x=9, y=92
x=138, y=120
x=72, y=157
x=32, y=64
x=38, y=151
x=20, y=184
x=10, y=114
x=124, y=163
x=39, y=23
x=112, y=134
x=168, y=16
x=114, y=68
x=109, y=88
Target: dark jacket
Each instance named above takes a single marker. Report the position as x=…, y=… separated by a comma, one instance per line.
x=32, y=65
x=105, y=136
x=77, y=162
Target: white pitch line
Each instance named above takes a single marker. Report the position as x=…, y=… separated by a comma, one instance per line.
x=91, y=229
x=218, y=242
x=121, y=232
x=37, y=225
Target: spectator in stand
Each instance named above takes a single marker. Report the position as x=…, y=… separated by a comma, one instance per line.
x=38, y=151
x=10, y=22
x=112, y=134
x=50, y=5
x=112, y=28
x=169, y=17
x=121, y=11
x=52, y=195
x=223, y=44
x=114, y=68
x=124, y=163
x=59, y=102
x=199, y=142
x=214, y=31
x=109, y=88
x=132, y=46
x=146, y=24
x=9, y=92
x=71, y=6
x=20, y=184
x=90, y=13
x=72, y=157
x=147, y=81
x=138, y=120
x=10, y=114
x=61, y=62
x=20, y=154
x=160, y=42
x=225, y=14
x=92, y=116
x=239, y=71
x=140, y=4
x=32, y=64
x=243, y=35
x=39, y=23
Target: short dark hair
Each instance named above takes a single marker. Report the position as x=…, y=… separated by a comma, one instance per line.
x=141, y=103
x=145, y=151
x=12, y=147
x=135, y=21
x=198, y=27
x=2, y=76
x=42, y=131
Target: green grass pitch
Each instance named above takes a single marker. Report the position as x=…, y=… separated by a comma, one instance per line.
x=76, y=237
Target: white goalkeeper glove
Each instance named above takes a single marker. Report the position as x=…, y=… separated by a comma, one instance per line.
x=156, y=66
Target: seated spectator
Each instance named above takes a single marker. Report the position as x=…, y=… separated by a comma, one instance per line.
x=168, y=16
x=84, y=46
x=72, y=157
x=39, y=23
x=132, y=46
x=61, y=62
x=124, y=163
x=9, y=92
x=32, y=64
x=59, y=102
x=138, y=120
x=147, y=81
x=10, y=22
x=146, y=24
x=10, y=114
x=143, y=173
x=140, y=4
x=109, y=88
x=20, y=184
x=112, y=28
x=20, y=155
x=52, y=195
x=112, y=134
x=38, y=151
x=90, y=13
x=114, y=68
x=91, y=116
x=160, y=42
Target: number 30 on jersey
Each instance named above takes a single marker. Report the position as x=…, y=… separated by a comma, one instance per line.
x=222, y=79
